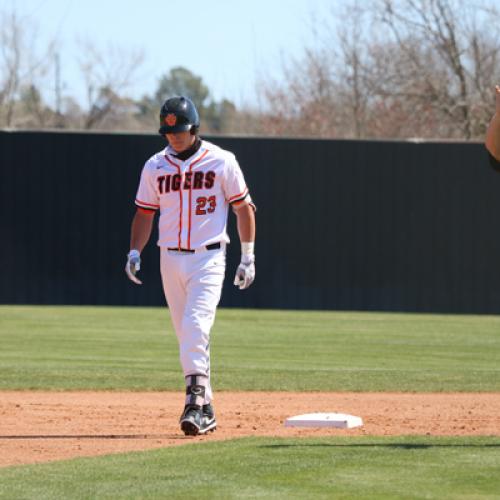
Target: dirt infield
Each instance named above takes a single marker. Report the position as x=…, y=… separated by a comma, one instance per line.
x=44, y=426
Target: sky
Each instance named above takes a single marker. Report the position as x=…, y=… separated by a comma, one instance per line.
x=230, y=44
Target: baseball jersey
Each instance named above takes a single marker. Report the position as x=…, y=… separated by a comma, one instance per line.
x=192, y=196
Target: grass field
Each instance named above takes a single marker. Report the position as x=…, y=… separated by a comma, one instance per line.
x=368, y=468
x=63, y=348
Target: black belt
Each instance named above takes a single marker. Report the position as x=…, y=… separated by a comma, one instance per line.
x=212, y=246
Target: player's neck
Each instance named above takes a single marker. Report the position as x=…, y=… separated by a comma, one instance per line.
x=187, y=153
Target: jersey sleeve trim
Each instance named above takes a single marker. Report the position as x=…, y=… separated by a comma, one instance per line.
x=248, y=201
x=147, y=206
x=239, y=197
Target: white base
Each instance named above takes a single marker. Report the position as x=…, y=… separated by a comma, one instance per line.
x=338, y=420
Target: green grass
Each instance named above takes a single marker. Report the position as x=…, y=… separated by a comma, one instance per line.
x=62, y=348
x=336, y=467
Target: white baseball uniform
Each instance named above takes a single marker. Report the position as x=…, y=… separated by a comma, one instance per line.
x=193, y=197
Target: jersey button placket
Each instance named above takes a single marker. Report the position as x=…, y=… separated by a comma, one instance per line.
x=185, y=206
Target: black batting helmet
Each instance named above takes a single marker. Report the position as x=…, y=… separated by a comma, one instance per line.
x=178, y=114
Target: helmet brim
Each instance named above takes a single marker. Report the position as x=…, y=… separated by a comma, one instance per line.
x=165, y=129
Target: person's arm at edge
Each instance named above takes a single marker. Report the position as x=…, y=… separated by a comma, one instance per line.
x=492, y=141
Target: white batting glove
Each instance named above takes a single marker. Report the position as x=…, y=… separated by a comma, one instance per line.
x=133, y=266
x=245, y=274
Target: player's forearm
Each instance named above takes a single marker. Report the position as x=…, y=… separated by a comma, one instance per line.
x=493, y=136
x=246, y=223
x=142, y=225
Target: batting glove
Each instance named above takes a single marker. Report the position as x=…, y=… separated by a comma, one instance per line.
x=245, y=274
x=133, y=266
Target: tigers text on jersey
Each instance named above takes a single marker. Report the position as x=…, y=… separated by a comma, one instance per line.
x=193, y=196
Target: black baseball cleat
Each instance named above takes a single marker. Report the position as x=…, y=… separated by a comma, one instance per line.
x=208, y=422
x=191, y=420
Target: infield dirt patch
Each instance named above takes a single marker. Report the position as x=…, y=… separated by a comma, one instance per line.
x=45, y=426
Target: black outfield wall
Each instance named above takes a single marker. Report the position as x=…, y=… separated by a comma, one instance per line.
x=351, y=225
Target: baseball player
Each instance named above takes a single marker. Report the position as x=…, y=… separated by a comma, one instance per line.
x=493, y=134
x=192, y=183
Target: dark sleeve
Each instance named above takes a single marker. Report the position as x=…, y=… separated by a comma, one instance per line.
x=494, y=162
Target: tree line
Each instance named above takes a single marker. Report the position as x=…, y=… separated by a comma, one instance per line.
x=378, y=69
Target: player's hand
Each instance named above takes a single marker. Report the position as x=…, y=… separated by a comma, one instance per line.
x=133, y=266
x=497, y=92
x=245, y=274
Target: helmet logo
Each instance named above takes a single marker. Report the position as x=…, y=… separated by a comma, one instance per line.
x=171, y=119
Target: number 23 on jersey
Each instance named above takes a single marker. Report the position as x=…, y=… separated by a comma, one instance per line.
x=205, y=205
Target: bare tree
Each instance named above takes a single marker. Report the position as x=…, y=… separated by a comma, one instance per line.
x=107, y=73
x=448, y=50
x=34, y=113
x=21, y=66
x=350, y=44
x=305, y=104
x=394, y=68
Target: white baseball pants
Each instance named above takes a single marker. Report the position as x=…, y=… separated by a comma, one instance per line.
x=192, y=283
